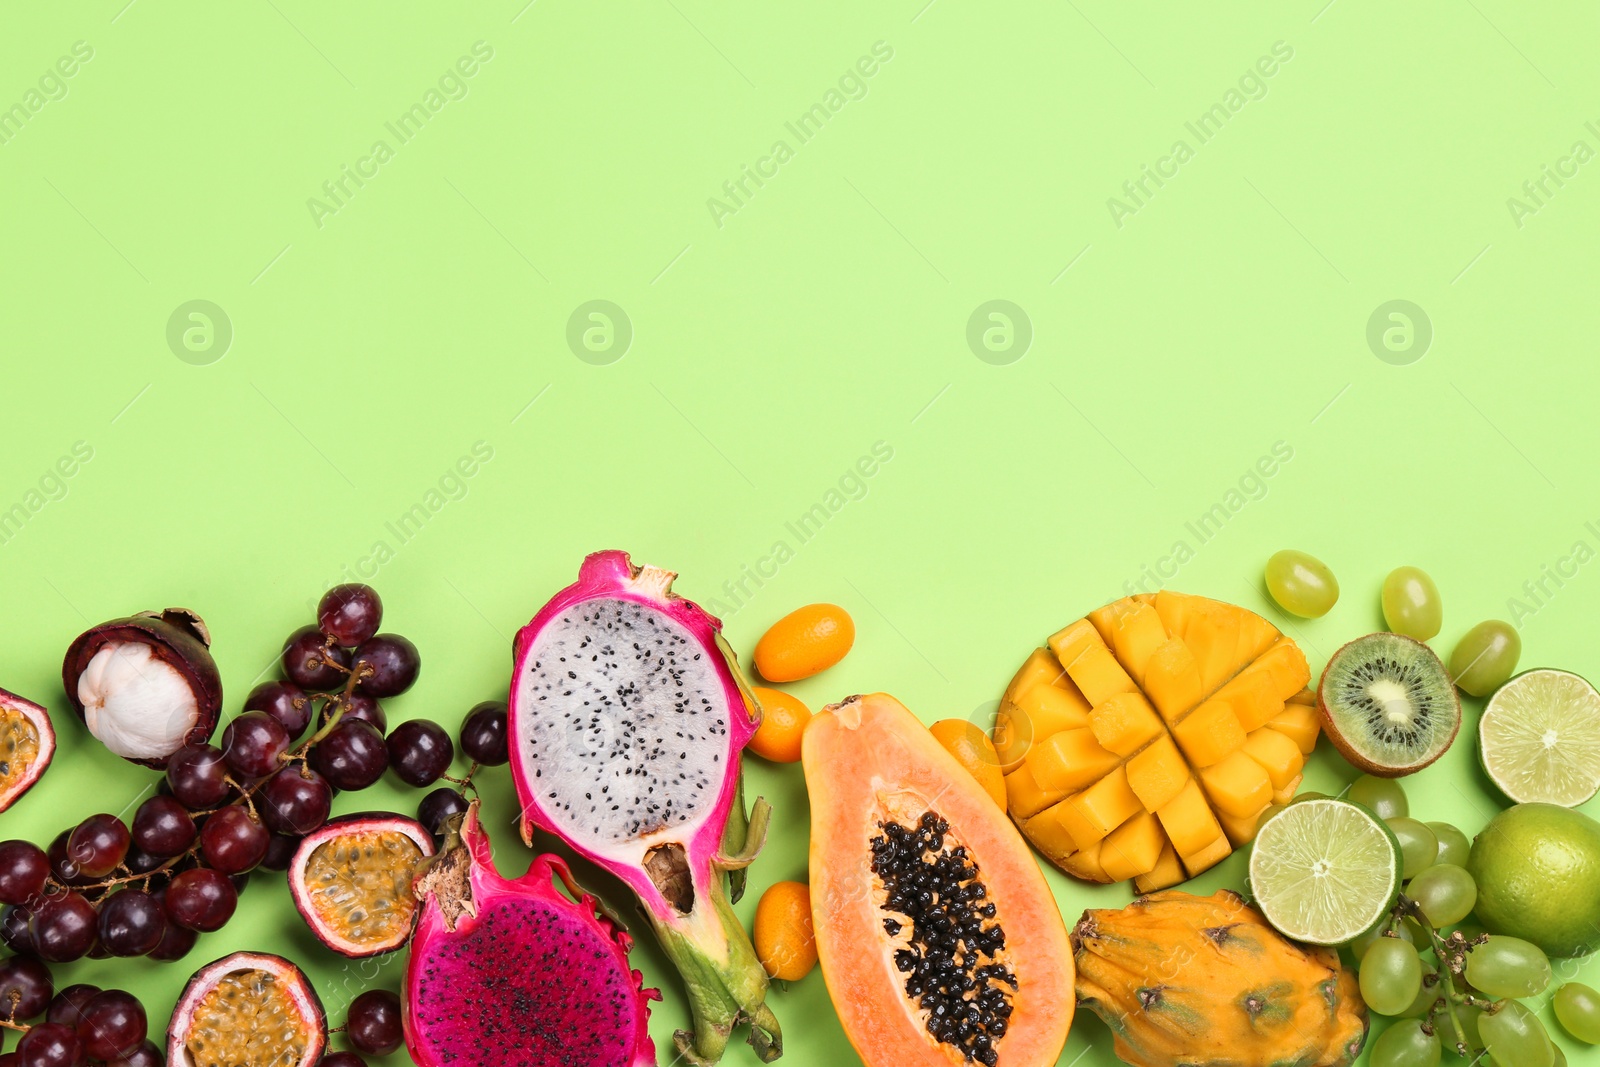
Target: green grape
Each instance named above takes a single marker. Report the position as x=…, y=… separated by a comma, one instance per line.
x=1418, y=845
x=1578, y=1008
x=1446, y=893
x=1301, y=584
x=1515, y=1037
x=1359, y=946
x=1405, y=1045
x=1453, y=844
x=1508, y=967
x=1411, y=603
x=1382, y=796
x=1427, y=996
x=1391, y=974
x=1561, y=1057
x=1485, y=658
x=1469, y=1017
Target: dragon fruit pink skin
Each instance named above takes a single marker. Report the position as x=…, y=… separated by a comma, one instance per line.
x=628, y=716
x=508, y=971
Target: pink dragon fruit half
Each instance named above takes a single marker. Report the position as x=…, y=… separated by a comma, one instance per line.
x=628, y=717
x=506, y=971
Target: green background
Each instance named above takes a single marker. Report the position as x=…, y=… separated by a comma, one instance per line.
x=429, y=314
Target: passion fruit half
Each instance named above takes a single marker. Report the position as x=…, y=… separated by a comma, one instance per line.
x=249, y=1009
x=352, y=879
x=27, y=743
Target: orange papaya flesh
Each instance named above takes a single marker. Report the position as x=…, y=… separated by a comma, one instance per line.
x=888, y=805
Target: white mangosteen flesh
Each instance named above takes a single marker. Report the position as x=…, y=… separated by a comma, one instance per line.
x=135, y=703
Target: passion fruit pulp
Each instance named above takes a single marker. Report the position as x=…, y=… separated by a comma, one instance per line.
x=351, y=881
x=250, y=1009
x=27, y=744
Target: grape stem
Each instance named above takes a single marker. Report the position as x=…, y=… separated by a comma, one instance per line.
x=1452, y=965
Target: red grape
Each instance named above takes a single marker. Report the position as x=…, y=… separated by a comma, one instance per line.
x=352, y=756
x=285, y=702
x=350, y=614
x=114, y=1024
x=175, y=943
x=132, y=923
x=25, y=988
x=296, y=800
x=339, y=1059
x=14, y=931
x=149, y=1054
x=420, y=751
x=198, y=776
x=483, y=734
x=201, y=899
x=67, y=1005
x=373, y=1022
x=365, y=708
x=254, y=744
x=233, y=840
x=280, y=852
x=23, y=870
x=311, y=664
x=162, y=827
x=50, y=1045
x=437, y=807
x=64, y=927
x=388, y=665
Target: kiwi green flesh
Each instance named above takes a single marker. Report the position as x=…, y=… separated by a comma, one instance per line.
x=1388, y=704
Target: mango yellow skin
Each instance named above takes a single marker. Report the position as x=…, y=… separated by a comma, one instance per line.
x=1200, y=981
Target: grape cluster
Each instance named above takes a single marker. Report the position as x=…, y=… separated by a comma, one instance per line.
x=72, y=1027
x=1450, y=985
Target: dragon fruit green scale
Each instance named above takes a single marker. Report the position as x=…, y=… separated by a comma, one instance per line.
x=628, y=717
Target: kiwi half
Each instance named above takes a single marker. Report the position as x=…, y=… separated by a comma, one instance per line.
x=1388, y=705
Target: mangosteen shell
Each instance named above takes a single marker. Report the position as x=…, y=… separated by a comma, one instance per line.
x=178, y=637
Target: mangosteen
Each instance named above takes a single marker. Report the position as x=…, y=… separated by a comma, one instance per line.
x=145, y=685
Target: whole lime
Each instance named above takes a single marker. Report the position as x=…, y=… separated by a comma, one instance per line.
x=1538, y=872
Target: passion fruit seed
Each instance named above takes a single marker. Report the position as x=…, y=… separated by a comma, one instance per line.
x=954, y=953
x=248, y=1017
x=359, y=885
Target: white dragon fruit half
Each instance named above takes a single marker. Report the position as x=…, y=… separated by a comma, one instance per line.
x=628, y=717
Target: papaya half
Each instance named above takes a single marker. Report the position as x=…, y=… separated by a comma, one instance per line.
x=939, y=940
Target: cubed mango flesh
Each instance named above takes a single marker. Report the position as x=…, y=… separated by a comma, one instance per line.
x=1092, y=814
x=1241, y=829
x=1145, y=706
x=1070, y=642
x=1025, y=797
x=1209, y=733
x=1134, y=633
x=1099, y=675
x=1125, y=723
x=1188, y=820
x=1068, y=761
x=1049, y=836
x=1167, y=872
x=1157, y=774
x=1132, y=848
x=1085, y=864
x=1237, y=785
x=1277, y=754
x=1299, y=723
x=1204, y=859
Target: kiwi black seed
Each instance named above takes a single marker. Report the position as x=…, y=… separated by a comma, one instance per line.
x=1388, y=704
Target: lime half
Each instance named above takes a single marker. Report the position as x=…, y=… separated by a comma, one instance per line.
x=1540, y=738
x=1324, y=870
